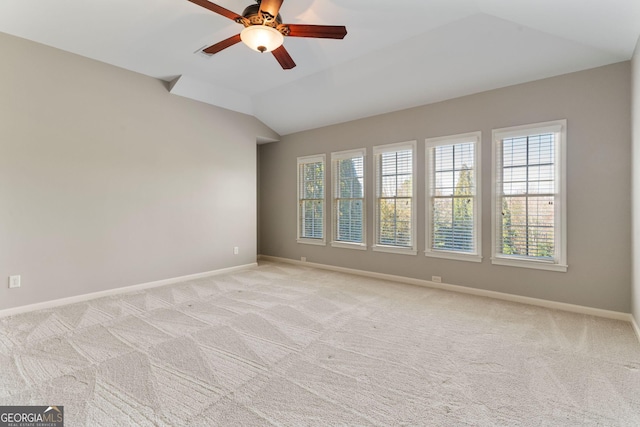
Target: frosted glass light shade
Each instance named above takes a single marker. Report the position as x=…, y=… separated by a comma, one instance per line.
x=262, y=38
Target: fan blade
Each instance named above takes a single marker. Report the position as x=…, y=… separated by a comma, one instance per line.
x=317, y=31
x=272, y=7
x=283, y=58
x=217, y=9
x=215, y=48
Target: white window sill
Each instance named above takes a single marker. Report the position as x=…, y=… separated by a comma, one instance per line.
x=539, y=265
x=348, y=245
x=458, y=256
x=394, y=250
x=317, y=242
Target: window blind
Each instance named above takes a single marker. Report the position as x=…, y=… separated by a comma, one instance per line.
x=394, y=197
x=453, y=197
x=527, y=189
x=311, y=183
x=348, y=204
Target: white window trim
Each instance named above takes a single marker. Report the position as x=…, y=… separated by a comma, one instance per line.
x=305, y=240
x=430, y=143
x=308, y=241
x=343, y=155
x=349, y=245
x=559, y=127
x=394, y=250
x=377, y=150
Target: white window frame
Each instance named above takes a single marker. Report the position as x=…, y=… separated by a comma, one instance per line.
x=559, y=261
x=335, y=158
x=377, y=152
x=306, y=160
x=430, y=145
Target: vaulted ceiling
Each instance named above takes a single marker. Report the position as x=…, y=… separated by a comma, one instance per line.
x=397, y=54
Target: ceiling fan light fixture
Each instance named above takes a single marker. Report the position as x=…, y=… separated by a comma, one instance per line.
x=262, y=38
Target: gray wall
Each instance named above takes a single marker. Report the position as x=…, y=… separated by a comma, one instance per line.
x=107, y=180
x=636, y=181
x=596, y=104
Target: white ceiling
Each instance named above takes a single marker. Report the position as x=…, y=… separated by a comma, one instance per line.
x=397, y=53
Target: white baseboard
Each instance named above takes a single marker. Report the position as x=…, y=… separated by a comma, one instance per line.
x=116, y=291
x=616, y=315
x=635, y=326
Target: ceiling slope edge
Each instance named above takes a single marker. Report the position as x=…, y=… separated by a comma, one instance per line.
x=191, y=88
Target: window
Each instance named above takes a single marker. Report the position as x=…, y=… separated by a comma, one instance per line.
x=311, y=199
x=529, y=197
x=348, y=199
x=395, y=196
x=453, y=198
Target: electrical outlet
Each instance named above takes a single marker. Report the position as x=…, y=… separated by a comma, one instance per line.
x=14, y=281
x=436, y=279
x=303, y=258
x=236, y=250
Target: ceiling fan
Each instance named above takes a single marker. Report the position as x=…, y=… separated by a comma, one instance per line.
x=264, y=31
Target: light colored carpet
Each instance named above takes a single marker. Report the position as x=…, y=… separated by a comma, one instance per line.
x=292, y=346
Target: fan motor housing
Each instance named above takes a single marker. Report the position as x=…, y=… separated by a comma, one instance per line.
x=254, y=17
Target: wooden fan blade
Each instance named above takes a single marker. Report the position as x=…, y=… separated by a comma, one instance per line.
x=317, y=31
x=215, y=48
x=217, y=9
x=283, y=58
x=272, y=7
